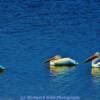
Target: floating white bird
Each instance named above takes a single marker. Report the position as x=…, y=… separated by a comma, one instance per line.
x=59, y=61
x=95, y=60
x=2, y=69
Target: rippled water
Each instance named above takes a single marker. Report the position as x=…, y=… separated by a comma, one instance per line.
x=32, y=31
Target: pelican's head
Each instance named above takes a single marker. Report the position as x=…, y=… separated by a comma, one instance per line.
x=53, y=58
x=96, y=55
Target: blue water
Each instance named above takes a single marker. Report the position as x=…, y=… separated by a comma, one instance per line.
x=31, y=31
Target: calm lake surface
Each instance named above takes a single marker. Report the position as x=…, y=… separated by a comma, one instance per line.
x=32, y=31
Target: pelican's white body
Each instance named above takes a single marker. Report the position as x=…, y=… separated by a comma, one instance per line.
x=63, y=61
x=95, y=63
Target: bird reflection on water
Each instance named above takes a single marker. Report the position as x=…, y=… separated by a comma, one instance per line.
x=59, y=70
x=96, y=78
x=95, y=71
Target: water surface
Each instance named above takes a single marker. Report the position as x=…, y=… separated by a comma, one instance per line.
x=31, y=31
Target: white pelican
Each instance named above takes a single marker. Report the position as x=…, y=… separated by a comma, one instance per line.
x=95, y=60
x=59, y=61
x=2, y=69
